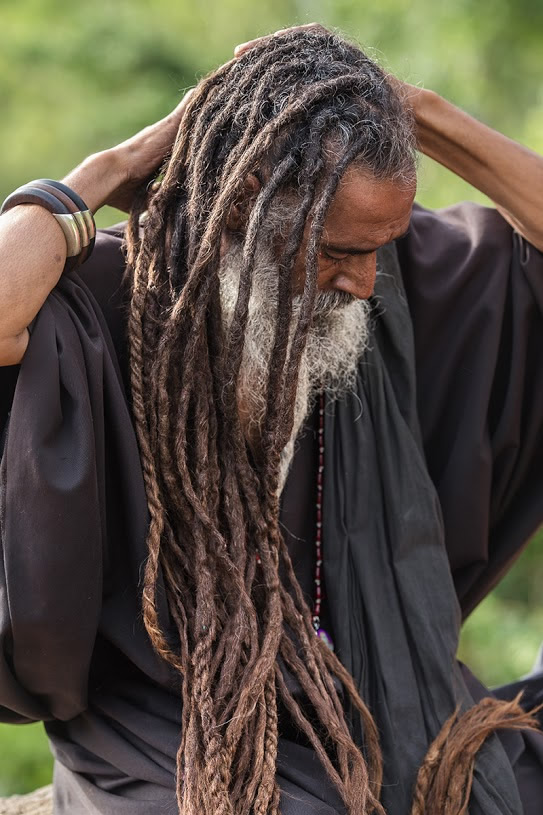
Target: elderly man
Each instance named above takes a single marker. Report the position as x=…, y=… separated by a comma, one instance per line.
x=253, y=473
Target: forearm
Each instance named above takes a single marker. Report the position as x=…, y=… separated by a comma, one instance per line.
x=33, y=251
x=32, y=246
x=510, y=174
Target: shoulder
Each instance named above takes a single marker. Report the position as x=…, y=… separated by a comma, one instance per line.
x=465, y=230
x=456, y=264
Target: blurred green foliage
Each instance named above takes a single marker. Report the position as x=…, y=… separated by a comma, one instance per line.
x=501, y=639
x=25, y=759
x=76, y=78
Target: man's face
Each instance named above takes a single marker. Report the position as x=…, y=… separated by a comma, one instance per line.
x=366, y=213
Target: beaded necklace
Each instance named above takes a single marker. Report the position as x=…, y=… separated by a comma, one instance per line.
x=319, y=583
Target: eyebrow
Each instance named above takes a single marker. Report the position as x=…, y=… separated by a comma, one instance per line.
x=348, y=250
x=353, y=250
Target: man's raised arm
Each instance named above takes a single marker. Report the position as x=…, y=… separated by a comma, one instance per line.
x=508, y=173
x=32, y=244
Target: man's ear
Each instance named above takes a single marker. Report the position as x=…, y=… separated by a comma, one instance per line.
x=241, y=208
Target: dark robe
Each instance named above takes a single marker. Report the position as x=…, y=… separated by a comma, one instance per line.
x=73, y=649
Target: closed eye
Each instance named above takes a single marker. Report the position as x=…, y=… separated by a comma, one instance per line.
x=335, y=256
x=342, y=252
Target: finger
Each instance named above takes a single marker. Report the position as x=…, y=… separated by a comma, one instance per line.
x=246, y=46
x=243, y=47
x=181, y=107
x=174, y=118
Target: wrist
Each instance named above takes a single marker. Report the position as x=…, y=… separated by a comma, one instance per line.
x=444, y=129
x=96, y=178
x=424, y=103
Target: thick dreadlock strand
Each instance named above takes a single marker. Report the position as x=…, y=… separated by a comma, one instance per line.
x=234, y=347
x=292, y=365
x=310, y=171
x=445, y=779
x=214, y=504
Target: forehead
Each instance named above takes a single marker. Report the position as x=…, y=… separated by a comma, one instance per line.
x=368, y=211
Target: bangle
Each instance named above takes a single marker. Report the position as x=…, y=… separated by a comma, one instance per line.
x=69, y=210
x=76, y=207
x=82, y=208
x=79, y=210
x=71, y=194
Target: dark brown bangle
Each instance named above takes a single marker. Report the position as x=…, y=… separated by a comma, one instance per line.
x=29, y=195
x=58, y=185
x=69, y=210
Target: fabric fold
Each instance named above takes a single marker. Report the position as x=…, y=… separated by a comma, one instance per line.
x=389, y=534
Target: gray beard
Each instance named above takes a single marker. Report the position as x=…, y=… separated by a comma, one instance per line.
x=337, y=338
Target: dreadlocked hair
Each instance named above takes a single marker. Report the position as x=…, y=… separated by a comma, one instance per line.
x=298, y=109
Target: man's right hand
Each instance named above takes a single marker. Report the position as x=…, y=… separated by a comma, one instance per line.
x=143, y=154
x=113, y=176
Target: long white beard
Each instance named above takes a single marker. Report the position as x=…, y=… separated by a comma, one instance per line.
x=337, y=338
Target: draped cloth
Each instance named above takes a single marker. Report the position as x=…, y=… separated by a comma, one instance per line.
x=73, y=518
x=388, y=571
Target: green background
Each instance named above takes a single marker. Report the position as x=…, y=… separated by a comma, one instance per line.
x=78, y=77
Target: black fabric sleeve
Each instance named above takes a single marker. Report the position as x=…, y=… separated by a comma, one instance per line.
x=63, y=499
x=475, y=293
x=103, y=275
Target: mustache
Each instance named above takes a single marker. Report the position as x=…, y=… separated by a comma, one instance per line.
x=328, y=301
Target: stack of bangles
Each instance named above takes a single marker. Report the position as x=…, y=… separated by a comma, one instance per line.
x=68, y=209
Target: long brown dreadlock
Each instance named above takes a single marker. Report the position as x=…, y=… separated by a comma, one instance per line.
x=301, y=107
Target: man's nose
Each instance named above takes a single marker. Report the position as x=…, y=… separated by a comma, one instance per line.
x=357, y=276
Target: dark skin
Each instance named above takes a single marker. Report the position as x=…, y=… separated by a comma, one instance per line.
x=365, y=214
